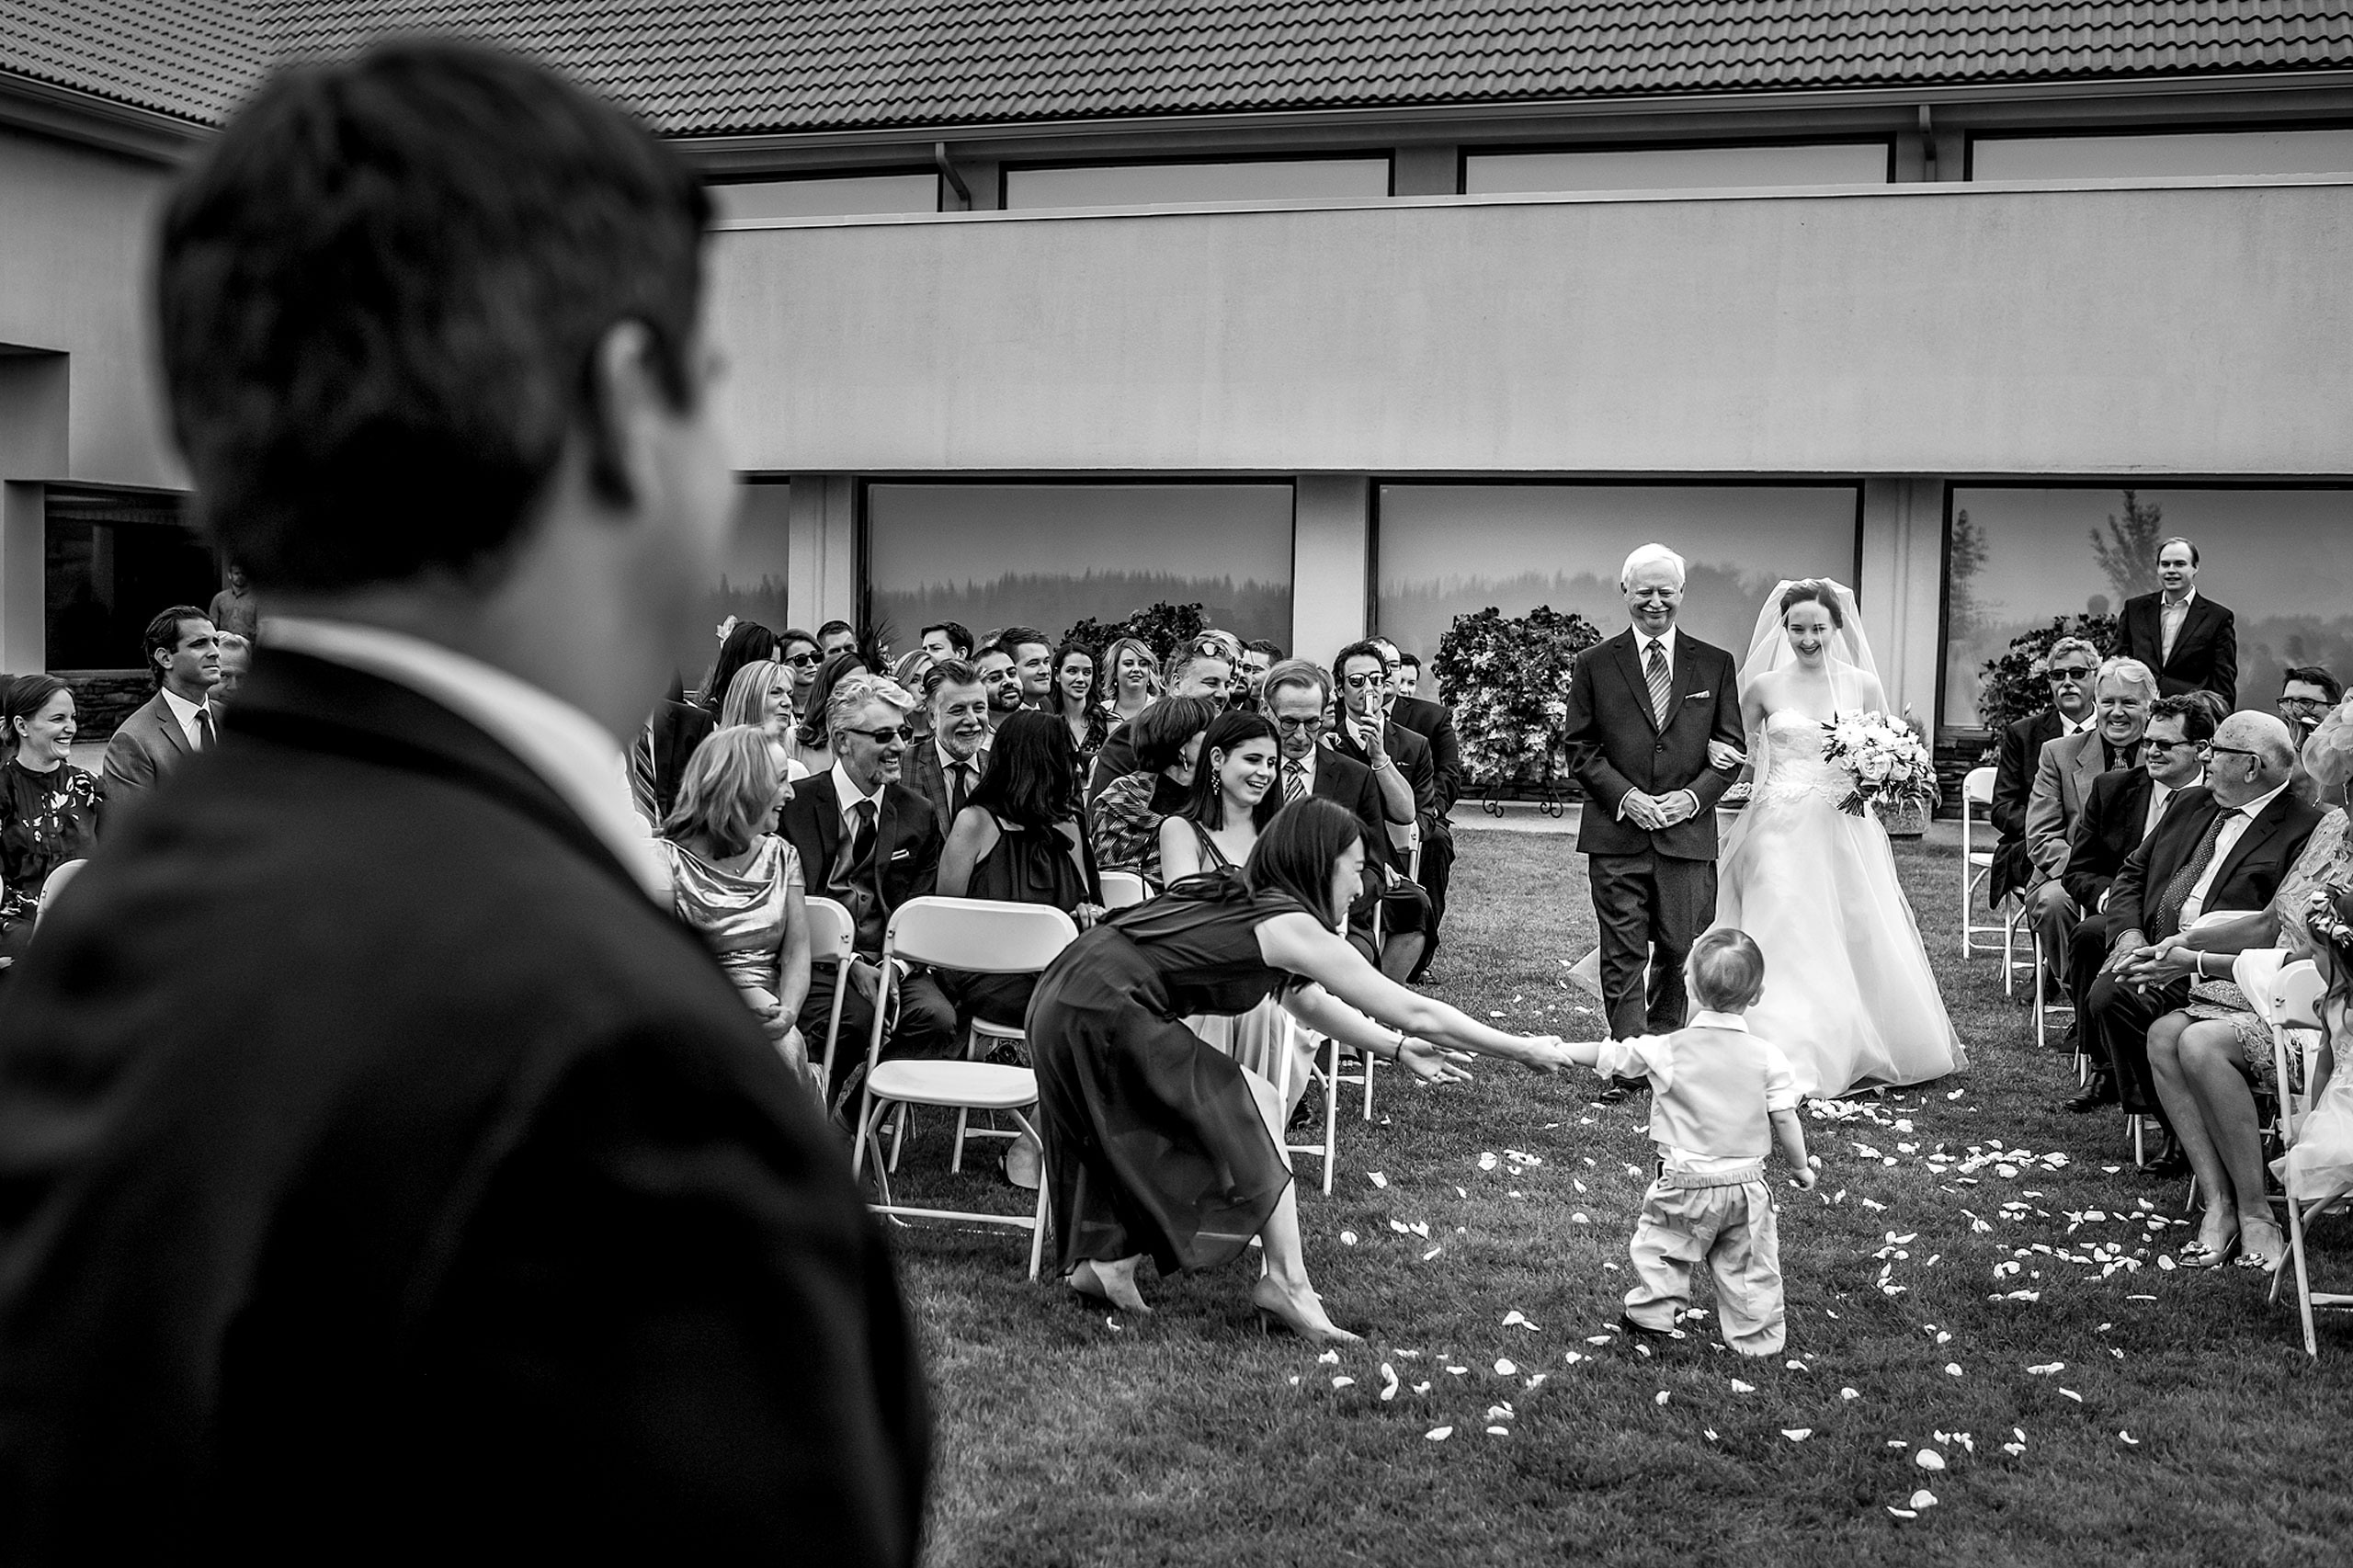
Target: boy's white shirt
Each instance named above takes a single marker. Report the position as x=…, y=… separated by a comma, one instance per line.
x=1648, y=1056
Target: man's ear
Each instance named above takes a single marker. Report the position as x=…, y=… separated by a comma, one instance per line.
x=624, y=392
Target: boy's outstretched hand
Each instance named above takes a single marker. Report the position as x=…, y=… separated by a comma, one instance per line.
x=1803, y=1181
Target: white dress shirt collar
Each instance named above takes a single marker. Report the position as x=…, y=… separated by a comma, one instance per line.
x=1665, y=640
x=845, y=793
x=186, y=712
x=1307, y=771
x=571, y=753
x=1706, y=1018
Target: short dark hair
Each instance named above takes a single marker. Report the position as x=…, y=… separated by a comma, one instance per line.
x=1161, y=730
x=1032, y=776
x=960, y=637
x=380, y=296
x=163, y=636
x=1406, y=659
x=1363, y=648
x=2312, y=675
x=946, y=671
x=1727, y=967
x=1266, y=645
x=1296, y=852
x=22, y=700
x=2186, y=543
x=833, y=626
x=1226, y=734
x=1015, y=637
x=2196, y=714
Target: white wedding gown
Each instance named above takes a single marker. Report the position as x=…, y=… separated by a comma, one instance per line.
x=1848, y=995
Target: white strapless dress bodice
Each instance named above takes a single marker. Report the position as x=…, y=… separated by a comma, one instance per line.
x=1848, y=995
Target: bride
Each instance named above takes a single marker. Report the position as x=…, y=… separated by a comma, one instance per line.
x=1848, y=995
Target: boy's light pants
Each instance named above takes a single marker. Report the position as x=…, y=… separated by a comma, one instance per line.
x=1726, y=1221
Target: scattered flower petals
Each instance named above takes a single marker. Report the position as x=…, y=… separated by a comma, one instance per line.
x=1516, y=1319
x=1343, y=1383
x=2129, y=1437
x=1952, y=1368
x=2071, y=1393
x=1438, y=1434
x=1347, y=1238
x=1924, y=1498
x=1929, y=1459
x=1739, y=1387
x=1506, y=1369
x=1659, y=1398
x=1902, y=1513
x=1377, y=1178
x=2046, y=1368
x=1329, y=1358
x=1797, y=1434
x=1498, y=1431
x=1848, y=1393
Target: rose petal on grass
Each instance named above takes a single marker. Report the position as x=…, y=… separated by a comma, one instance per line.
x=1329, y=1358
x=1377, y=1178
x=2129, y=1437
x=2071, y=1393
x=1438, y=1434
x=1347, y=1238
x=1797, y=1434
x=1902, y=1513
x=1952, y=1368
x=1343, y=1383
x=1659, y=1398
x=1924, y=1498
x=1505, y=1369
x=1498, y=1431
x=1929, y=1459
x=1848, y=1393
x=1739, y=1387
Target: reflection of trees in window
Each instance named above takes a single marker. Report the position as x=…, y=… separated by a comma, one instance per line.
x=1964, y=611
x=2128, y=556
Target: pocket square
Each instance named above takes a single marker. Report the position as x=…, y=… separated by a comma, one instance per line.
x=1697, y=695
x=902, y=854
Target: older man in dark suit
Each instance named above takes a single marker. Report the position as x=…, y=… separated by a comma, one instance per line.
x=945, y=767
x=870, y=844
x=183, y=657
x=2123, y=692
x=2191, y=641
x=388, y=1175
x=2225, y=845
x=1653, y=728
x=2070, y=667
x=1434, y=721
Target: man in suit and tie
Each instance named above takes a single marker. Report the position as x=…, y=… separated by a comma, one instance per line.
x=2191, y=641
x=869, y=842
x=947, y=764
x=2069, y=670
x=183, y=657
x=2225, y=845
x=1298, y=690
x=1434, y=721
x=387, y=1167
x=2122, y=693
x=1654, y=732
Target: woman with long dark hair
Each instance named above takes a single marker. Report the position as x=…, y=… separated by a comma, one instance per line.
x=1071, y=699
x=1233, y=801
x=746, y=642
x=1156, y=1143
x=812, y=746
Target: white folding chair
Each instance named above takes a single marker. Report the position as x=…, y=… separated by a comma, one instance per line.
x=58, y=877
x=1976, y=872
x=981, y=937
x=1287, y=1050
x=1123, y=890
x=833, y=937
x=2293, y=1007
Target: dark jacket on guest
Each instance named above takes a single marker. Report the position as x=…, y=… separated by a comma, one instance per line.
x=658, y=758
x=1617, y=745
x=907, y=842
x=1412, y=755
x=381, y=1169
x=2106, y=831
x=2022, y=748
x=2205, y=656
x=926, y=778
x=2246, y=879
x=1434, y=721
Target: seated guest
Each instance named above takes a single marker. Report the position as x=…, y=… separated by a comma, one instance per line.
x=869, y=843
x=1001, y=678
x=1197, y=668
x=1072, y=699
x=2068, y=671
x=2189, y=641
x=946, y=640
x=183, y=660
x=236, y=663
x=2225, y=846
x=760, y=697
x=49, y=811
x=798, y=651
x=1033, y=656
x=1400, y=760
x=837, y=637
x=2207, y=1059
x=1298, y=693
x=1020, y=841
x=948, y=764
x=2122, y=810
x=658, y=757
x=1434, y=721
x=1128, y=813
x=910, y=673
x=746, y=642
x=809, y=743
x=1131, y=679
x=1409, y=674
x=735, y=881
x=2123, y=692
x=2307, y=694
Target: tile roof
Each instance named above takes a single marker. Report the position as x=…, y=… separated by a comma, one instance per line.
x=707, y=67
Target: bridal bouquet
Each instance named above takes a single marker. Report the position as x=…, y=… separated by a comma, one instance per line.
x=1890, y=764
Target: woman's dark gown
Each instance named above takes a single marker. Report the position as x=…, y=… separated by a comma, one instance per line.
x=1153, y=1139
x=1026, y=865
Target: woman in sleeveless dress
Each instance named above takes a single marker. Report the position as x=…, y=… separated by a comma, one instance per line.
x=739, y=884
x=1848, y=994
x=1159, y=1143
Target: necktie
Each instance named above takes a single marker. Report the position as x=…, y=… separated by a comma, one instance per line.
x=859, y=847
x=2167, y=918
x=960, y=789
x=1294, y=782
x=1662, y=684
x=204, y=728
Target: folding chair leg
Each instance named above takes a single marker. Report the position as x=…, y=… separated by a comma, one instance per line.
x=899, y=1134
x=956, y=1156
x=2040, y=1027
x=1367, y=1084
x=1038, y=1220
x=2140, y=1156
x=2304, y=1280
x=2010, y=968
x=1332, y=1117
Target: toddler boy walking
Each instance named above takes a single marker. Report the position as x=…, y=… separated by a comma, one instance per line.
x=1720, y=1098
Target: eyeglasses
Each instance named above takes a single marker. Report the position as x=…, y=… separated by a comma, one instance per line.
x=2171, y=745
x=804, y=661
x=1313, y=721
x=2307, y=704
x=1358, y=682
x=901, y=733
x=2231, y=751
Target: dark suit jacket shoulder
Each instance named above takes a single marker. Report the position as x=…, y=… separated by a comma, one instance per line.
x=2108, y=830
x=907, y=838
x=1617, y=745
x=2246, y=879
x=1348, y=782
x=2205, y=656
x=2014, y=765
x=1434, y=721
x=424, y=1172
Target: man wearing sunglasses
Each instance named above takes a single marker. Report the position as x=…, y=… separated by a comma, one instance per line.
x=2123, y=691
x=2069, y=667
x=869, y=842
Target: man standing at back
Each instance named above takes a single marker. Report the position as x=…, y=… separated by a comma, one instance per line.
x=2189, y=641
x=1653, y=730
x=183, y=657
x=389, y=1175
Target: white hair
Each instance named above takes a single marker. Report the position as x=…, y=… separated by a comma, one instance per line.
x=2131, y=672
x=1651, y=555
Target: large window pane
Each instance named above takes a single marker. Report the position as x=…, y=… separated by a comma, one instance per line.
x=1451, y=549
x=832, y=196
x=2162, y=156
x=2282, y=559
x=114, y=560
x=1676, y=168
x=1166, y=185
x=1051, y=556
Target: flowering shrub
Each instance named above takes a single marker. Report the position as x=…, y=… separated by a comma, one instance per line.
x=2011, y=687
x=1159, y=627
x=1890, y=764
x=1508, y=680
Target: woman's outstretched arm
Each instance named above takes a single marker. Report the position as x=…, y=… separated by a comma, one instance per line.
x=1295, y=942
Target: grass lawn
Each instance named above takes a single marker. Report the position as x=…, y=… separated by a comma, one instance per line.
x=1066, y=1438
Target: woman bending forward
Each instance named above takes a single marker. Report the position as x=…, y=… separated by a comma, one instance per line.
x=1158, y=1143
